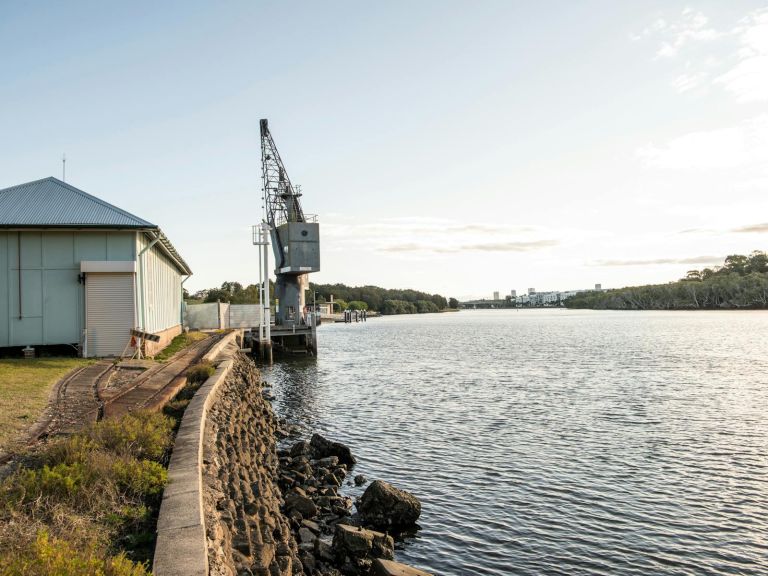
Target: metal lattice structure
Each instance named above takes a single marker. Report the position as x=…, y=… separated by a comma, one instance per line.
x=280, y=197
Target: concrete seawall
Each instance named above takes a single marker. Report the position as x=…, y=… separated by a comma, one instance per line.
x=221, y=511
x=181, y=544
x=246, y=531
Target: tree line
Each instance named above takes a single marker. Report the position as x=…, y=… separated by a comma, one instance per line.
x=375, y=298
x=741, y=282
x=384, y=300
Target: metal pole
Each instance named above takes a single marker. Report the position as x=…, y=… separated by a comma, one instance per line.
x=267, y=321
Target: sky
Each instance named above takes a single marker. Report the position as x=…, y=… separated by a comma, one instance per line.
x=457, y=147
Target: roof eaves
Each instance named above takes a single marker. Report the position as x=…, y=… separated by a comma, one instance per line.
x=170, y=250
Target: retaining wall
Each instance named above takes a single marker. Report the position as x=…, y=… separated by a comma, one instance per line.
x=181, y=546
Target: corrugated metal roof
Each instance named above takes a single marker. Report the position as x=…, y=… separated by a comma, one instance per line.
x=51, y=202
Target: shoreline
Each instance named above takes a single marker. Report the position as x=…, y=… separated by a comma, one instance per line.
x=268, y=510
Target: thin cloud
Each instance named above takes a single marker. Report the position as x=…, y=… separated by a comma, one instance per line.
x=479, y=247
x=739, y=146
x=698, y=231
x=410, y=227
x=690, y=27
x=748, y=79
x=658, y=261
x=753, y=228
x=737, y=59
x=511, y=246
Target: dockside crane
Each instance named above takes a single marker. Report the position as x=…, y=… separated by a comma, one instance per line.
x=295, y=239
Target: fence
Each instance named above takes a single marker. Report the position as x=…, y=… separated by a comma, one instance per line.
x=218, y=315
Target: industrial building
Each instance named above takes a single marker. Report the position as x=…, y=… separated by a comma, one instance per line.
x=75, y=270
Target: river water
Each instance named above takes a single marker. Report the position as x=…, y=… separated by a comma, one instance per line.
x=555, y=441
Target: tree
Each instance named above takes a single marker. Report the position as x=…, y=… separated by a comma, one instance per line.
x=693, y=275
x=358, y=305
x=742, y=282
x=758, y=262
x=453, y=303
x=736, y=263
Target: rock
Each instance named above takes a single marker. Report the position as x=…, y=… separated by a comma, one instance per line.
x=301, y=448
x=296, y=502
x=360, y=480
x=323, y=551
x=313, y=526
x=324, y=448
x=384, y=506
x=329, y=462
x=390, y=568
x=308, y=561
x=359, y=543
x=306, y=535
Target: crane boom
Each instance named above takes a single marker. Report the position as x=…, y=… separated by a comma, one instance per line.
x=295, y=236
x=282, y=199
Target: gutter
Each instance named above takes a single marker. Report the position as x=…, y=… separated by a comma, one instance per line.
x=181, y=310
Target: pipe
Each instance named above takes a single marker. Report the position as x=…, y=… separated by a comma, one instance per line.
x=141, y=277
x=181, y=311
x=18, y=249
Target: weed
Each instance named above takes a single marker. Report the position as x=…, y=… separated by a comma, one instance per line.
x=140, y=477
x=81, y=497
x=179, y=343
x=199, y=373
x=51, y=556
x=140, y=434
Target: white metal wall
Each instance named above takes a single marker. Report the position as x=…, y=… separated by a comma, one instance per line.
x=109, y=313
x=244, y=315
x=213, y=315
x=159, y=288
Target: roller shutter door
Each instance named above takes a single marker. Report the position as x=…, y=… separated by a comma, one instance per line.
x=109, y=312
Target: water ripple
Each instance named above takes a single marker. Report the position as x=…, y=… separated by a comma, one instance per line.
x=556, y=442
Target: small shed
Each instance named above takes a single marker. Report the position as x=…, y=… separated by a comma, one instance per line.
x=76, y=270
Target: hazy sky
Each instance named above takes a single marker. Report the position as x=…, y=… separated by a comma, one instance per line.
x=454, y=147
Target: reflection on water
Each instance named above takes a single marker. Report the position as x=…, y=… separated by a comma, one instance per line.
x=555, y=442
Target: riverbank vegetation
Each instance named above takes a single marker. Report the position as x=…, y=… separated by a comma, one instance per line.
x=87, y=504
x=741, y=283
x=374, y=298
x=26, y=386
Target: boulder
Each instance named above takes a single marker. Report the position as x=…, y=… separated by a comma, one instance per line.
x=360, y=480
x=384, y=506
x=295, y=502
x=360, y=544
x=301, y=448
x=324, y=448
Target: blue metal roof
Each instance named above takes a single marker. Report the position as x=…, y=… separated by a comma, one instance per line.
x=51, y=202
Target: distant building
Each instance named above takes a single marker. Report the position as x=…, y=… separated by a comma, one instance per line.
x=531, y=291
x=496, y=295
x=513, y=293
x=598, y=287
x=75, y=270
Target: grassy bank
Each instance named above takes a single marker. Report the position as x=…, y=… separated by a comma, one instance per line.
x=87, y=504
x=25, y=388
x=179, y=343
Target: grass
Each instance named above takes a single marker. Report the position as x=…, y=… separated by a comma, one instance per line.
x=87, y=504
x=179, y=343
x=25, y=386
x=196, y=377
